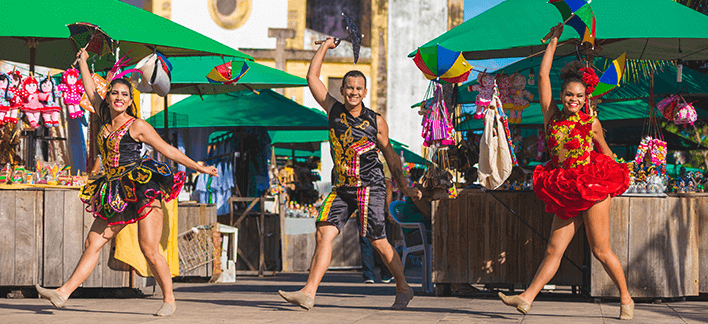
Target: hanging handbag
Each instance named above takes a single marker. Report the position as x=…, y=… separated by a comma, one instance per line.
x=684, y=112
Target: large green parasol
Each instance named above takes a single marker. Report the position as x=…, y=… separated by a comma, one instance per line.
x=45, y=31
x=645, y=29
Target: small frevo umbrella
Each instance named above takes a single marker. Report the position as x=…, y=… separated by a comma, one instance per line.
x=354, y=37
x=91, y=38
x=437, y=62
x=611, y=78
x=579, y=15
x=228, y=73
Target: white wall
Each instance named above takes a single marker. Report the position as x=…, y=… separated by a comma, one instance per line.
x=194, y=14
x=419, y=21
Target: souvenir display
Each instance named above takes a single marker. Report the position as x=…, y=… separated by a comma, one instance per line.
x=12, y=116
x=485, y=87
x=72, y=91
x=49, y=97
x=31, y=106
x=519, y=98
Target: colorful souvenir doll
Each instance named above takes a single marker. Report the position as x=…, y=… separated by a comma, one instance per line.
x=541, y=145
x=504, y=84
x=4, y=101
x=518, y=98
x=72, y=90
x=13, y=96
x=31, y=106
x=49, y=96
x=485, y=87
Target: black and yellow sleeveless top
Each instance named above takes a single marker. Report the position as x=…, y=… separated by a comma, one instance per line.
x=353, y=148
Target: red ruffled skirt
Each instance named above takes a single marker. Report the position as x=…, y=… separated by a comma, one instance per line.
x=567, y=192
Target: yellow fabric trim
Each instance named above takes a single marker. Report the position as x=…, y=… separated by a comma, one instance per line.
x=326, y=206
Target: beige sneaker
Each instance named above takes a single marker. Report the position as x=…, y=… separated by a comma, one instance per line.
x=57, y=300
x=298, y=298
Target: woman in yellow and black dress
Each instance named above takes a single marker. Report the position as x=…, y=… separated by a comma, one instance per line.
x=131, y=189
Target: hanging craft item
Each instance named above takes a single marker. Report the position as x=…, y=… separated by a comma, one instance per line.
x=504, y=87
x=654, y=143
x=611, y=78
x=676, y=109
x=31, y=106
x=496, y=153
x=579, y=15
x=518, y=98
x=485, y=87
x=228, y=73
x=439, y=63
x=49, y=97
x=72, y=91
x=155, y=74
x=14, y=97
x=437, y=128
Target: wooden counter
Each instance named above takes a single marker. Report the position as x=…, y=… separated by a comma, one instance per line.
x=477, y=240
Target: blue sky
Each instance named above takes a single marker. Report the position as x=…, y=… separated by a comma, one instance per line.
x=472, y=9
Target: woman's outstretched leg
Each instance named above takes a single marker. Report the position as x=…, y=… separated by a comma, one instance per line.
x=597, y=228
x=99, y=235
x=149, y=236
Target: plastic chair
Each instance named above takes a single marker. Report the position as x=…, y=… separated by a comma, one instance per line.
x=395, y=209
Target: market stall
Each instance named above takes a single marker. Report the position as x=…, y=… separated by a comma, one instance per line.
x=652, y=255
x=488, y=238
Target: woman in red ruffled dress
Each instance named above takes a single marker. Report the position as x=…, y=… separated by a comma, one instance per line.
x=577, y=181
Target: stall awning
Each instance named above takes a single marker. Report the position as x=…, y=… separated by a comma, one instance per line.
x=241, y=109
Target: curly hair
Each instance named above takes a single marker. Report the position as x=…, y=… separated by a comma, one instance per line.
x=571, y=73
x=104, y=112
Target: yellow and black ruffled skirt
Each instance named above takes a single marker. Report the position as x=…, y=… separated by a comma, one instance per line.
x=122, y=194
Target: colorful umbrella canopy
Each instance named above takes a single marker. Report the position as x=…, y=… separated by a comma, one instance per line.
x=136, y=29
x=437, y=62
x=579, y=15
x=645, y=29
x=611, y=78
x=228, y=73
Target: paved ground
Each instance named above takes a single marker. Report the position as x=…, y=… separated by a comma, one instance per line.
x=341, y=299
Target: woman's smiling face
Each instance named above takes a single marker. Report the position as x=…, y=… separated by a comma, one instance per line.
x=573, y=97
x=119, y=98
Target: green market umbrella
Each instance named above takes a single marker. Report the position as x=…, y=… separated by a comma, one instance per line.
x=40, y=26
x=240, y=109
x=645, y=29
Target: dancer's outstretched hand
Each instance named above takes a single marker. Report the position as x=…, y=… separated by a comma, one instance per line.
x=210, y=170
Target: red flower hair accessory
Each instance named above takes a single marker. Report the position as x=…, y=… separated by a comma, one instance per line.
x=590, y=79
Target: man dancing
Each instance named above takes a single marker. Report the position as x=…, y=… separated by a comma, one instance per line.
x=356, y=134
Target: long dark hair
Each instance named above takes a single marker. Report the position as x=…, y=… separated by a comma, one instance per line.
x=104, y=112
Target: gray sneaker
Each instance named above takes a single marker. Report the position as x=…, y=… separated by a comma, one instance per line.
x=368, y=281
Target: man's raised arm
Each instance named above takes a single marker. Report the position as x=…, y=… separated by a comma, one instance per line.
x=318, y=89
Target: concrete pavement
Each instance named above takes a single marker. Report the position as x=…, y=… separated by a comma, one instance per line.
x=342, y=298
